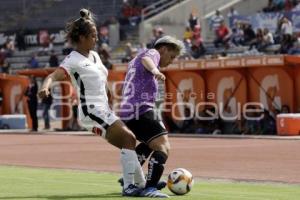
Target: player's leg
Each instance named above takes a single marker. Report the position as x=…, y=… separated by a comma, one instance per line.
x=149, y=130
x=117, y=134
x=143, y=152
x=161, y=147
x=157, y=160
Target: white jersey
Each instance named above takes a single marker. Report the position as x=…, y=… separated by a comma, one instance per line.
x=89, y=76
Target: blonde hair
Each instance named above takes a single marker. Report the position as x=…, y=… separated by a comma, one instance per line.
x=81, y=26
x=170, y=42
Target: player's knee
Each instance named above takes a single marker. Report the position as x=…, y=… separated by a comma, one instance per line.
x=163, y=147
x=167, y=148
x=129, y=140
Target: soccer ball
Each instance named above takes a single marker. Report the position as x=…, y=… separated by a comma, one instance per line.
x=180, y=181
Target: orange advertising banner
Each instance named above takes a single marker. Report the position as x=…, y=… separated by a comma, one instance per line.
x=184, y=89
x=13, y=89
x=297, y=89
x=273, y=87
x=229, y=88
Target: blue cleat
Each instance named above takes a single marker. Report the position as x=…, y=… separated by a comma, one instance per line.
x=152, y=192
x=131, y=191
x=160, y=185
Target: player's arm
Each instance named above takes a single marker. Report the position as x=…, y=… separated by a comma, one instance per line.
x=58, y=75
x=150, y=66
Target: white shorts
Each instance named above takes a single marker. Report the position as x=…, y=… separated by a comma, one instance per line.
x=97, y=118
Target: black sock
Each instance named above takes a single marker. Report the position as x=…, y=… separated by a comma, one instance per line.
x=155, y=168
x=143, y=152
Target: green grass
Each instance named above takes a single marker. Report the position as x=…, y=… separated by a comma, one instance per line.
x=17, y=183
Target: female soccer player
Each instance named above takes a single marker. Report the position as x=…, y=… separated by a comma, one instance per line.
x=139, y=92
x=89, y=76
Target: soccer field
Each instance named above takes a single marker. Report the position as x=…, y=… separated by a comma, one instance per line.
x=19, y=183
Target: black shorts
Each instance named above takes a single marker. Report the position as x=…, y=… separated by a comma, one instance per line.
x=147, y=127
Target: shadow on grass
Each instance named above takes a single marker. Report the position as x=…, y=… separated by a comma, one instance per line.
x=67, y=197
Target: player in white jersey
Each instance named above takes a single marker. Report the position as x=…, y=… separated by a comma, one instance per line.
x=89, y=76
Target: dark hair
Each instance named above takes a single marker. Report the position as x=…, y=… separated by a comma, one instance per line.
x=169, y=46
x=81, y=26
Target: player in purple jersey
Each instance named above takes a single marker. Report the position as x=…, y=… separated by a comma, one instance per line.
x=137, y=106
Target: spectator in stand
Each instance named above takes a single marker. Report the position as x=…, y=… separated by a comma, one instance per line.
x=20, y=40
x=252, y=124
x=275, y=5
x=193, y=21
x=286, y=44
x=188, y=33
x=4, y=66
x=46, y=102
x=278, y=5
x=286, y=27
x=295, y=49
x=130, y=13
x=33, y=62
x=268, y=40
x=237, y=36
x=44, y=41
x=188, y=53
x=197, y=38
x=222, y=35
x=258, y=40
x=157, y=32
x=289, y=4
x=216, y=21
x=232, y=12
x=32, y=102
x=249, y=34
x=197, y=51
x=103, y=35
x=9, y=47
x=269, y=7
x=53, y=59
x=130, y=53
x=195, y=45
x=268, y=124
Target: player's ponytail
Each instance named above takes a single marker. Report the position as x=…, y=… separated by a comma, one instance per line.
x=86, y=14
x=80, y=26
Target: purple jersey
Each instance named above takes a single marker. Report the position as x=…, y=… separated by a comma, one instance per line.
x=140, y=87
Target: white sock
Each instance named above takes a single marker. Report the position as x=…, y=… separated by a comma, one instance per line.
x=139, y=176
x=128, y=161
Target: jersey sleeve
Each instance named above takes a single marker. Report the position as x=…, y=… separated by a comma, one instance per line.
x=154, y=55
x=67, y=64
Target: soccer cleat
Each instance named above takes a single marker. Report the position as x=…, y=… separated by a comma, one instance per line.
x=131, y=191
x=160, y=185
x=153, y=193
